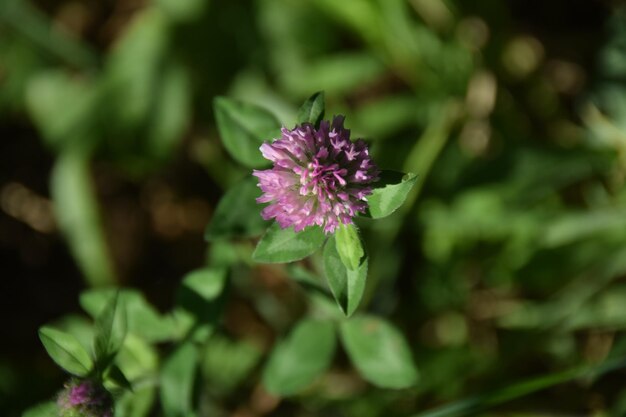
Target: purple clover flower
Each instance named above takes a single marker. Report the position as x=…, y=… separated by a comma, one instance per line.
x=320, y=177
x=85, y=398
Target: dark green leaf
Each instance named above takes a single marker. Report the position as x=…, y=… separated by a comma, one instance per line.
x=238, y=214
x=379, y=351
x=200, y=288
x=284, y=245
x=349, y=246
x=183, y=10
x=48, y=409
x=177, y=378
x=110, y=330
x=390, y=193
x=228, y=363
x=116, y=376
x=198, y=300
x=66, y=351
x=347, y=286
x=298, y=360
x=312, y=111
x=243, y=128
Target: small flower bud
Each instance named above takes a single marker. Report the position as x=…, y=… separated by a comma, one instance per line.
x=85, y=398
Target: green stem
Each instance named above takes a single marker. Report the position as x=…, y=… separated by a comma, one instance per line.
x=420, y=161
x=428, y=148
x=479, y=403
x=78, y=216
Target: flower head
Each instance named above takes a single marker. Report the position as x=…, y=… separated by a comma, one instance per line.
x=320, y=177
x=85, y=398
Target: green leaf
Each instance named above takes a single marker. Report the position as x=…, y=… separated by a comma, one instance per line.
x=391, y=192
x=133, y=66
x=228, y=363
x=146, y=102
x=379, y=351
x=110, y=331
x=143, y=319
x=346, y=285
x=177, y=379
x=169, y=116
x=78, y=217
x=78, y=326
x=569, y=227
x=198, y=300
x=62, y=107
x=349, y=246
x=243, y=128
x=238, y=214
x=303, y=356
x=47, y=409
x=200, y=288
x=137, y=403
x=312, y=111
x=139, y=361
x=66, y=351
x=339, y=72
x=117, y=377
x=284, y=245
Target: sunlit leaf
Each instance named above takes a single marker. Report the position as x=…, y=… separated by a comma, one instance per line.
x=284, y=245
x=349, y=246
x=139, y=362
x=110, y=331
x=199, y=301
x=66, y=351
x=177, y=378
x=298, y=360
x=379, y=351
x=390, y=193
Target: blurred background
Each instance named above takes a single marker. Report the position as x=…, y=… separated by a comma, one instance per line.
x=507, y=262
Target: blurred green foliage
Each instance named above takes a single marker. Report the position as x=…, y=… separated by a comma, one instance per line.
x=506, y=262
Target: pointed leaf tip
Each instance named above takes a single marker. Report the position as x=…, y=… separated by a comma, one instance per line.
x=390, y=193
x=312, y=111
